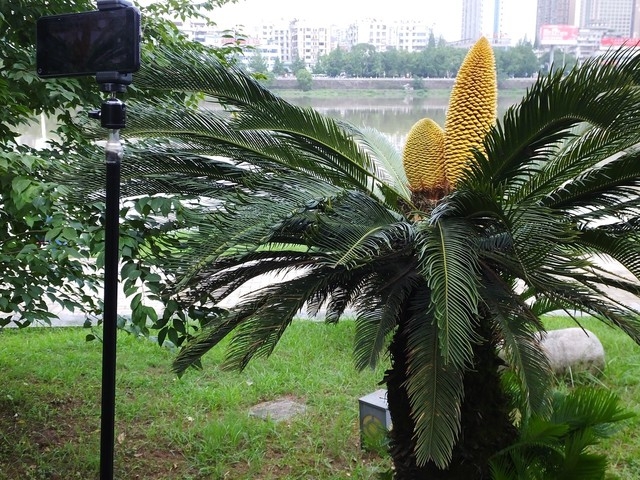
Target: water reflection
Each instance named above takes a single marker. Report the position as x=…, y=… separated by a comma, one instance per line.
x=392, y=116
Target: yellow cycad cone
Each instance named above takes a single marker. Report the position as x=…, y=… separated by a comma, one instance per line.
x=423, y=156
x=472, y=109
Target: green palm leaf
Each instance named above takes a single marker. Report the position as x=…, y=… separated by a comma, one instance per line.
x=601, y=93
x=450, y=266
x=435, y=390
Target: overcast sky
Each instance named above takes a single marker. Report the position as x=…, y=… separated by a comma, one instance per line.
x=442, y=15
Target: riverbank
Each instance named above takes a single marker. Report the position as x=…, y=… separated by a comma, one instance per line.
x=386, y=88
x=438, y=95
x=398, y=84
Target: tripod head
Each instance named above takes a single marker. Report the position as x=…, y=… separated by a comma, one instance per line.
x=112, y=114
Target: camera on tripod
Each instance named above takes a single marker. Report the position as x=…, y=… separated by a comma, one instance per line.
x=102, y=42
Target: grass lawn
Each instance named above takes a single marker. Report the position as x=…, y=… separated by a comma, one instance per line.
x=198, y=427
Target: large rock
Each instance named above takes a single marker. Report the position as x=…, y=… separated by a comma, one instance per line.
x=572, y=350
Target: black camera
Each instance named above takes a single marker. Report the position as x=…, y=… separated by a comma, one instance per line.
x=105, y=40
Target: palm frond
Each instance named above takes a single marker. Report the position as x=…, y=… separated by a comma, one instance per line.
x=604, y=186
x=589, y=407
x=598, y=93
x=379, y=316
x=619, y=243
x=519, y=330
x=386, y=154
x=449, y=264
x=435, y=390
x=301, y=137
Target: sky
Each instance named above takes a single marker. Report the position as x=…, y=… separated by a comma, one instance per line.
x=442, y=15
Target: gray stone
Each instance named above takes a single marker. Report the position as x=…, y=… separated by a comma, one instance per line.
x=278, y=410
x=572, y=350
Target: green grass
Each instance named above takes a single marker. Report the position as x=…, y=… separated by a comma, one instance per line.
x=198, y=427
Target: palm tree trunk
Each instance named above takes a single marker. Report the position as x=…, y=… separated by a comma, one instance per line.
x=485, y=415
x=402, y=444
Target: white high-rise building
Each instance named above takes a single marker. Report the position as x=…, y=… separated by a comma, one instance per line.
x=494, y=19
x=486, y=18
x=309, y=41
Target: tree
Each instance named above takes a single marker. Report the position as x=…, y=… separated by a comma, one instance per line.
x=445, y=261
x=364, y=61
x=394, y=63
x=45, y=241
x=518, y=61
x=257, y=64
x=278, y=67
x=305, y=79
x=332, y=64
x=297, y=64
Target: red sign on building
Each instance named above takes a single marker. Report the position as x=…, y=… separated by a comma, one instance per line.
x=558, y=35
x=614, y=42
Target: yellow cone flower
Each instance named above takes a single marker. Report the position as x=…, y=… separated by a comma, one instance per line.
x=423, y=156
x=472, y=109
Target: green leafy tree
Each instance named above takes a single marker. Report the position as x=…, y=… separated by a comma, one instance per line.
x=518, y=61
x=305, y=79
x=257, y=64
x=334, y=63
x=297, y=65
x=278, y=68
x=364, y=61
x=46, y=243
x=322, y=214
x=437, y=60
x=391, y=63
x=432, y=40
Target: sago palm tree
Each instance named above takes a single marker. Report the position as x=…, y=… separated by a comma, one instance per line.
x=443, y=267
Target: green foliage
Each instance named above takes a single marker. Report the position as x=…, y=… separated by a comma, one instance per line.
x=560, y=447
x=518, y=61
x=297, y=64
x=417, y=83
x=47, y=242
x=437, y=60
x=43, y=256
x=305, y=79
x=278, y=67
x=257, y=64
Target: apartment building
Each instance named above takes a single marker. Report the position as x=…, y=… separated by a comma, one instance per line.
x=309, y=41
x=491, y=19
x=615, y=15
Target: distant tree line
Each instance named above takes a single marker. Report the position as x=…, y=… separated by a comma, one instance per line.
x=438, y=60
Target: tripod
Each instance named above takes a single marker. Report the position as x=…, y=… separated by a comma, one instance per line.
x=112, y=115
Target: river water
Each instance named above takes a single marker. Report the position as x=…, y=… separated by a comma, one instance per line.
x=391, y=116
